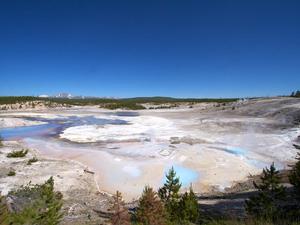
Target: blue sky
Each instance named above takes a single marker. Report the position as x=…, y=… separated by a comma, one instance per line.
x=210, y=48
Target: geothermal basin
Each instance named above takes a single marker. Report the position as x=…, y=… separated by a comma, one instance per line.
x=209, y=149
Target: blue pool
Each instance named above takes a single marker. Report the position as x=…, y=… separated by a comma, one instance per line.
x=235, y=150
x=28, y=131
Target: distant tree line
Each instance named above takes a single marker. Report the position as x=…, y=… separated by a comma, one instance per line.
x=99, y=101
x=123, y=105
x=295, y=94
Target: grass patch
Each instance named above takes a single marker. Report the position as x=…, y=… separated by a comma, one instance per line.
x=17, y=154
x=32, y=160
x=11, y=173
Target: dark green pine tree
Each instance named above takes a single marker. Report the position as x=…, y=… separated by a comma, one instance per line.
x=188, y=205
x=43, y=205
x=53, y=203
x=266, y=203
x=169, y=194
x=151, y=210
x=294, y=176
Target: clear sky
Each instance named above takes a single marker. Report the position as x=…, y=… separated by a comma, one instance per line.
x=188, y=48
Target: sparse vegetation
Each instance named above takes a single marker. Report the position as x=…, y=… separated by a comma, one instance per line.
x=17, y=154
x=167, y=106
x=11, y=173
x=32, y=160
x=1, y=143
x=37, y=204
x=123, y=105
